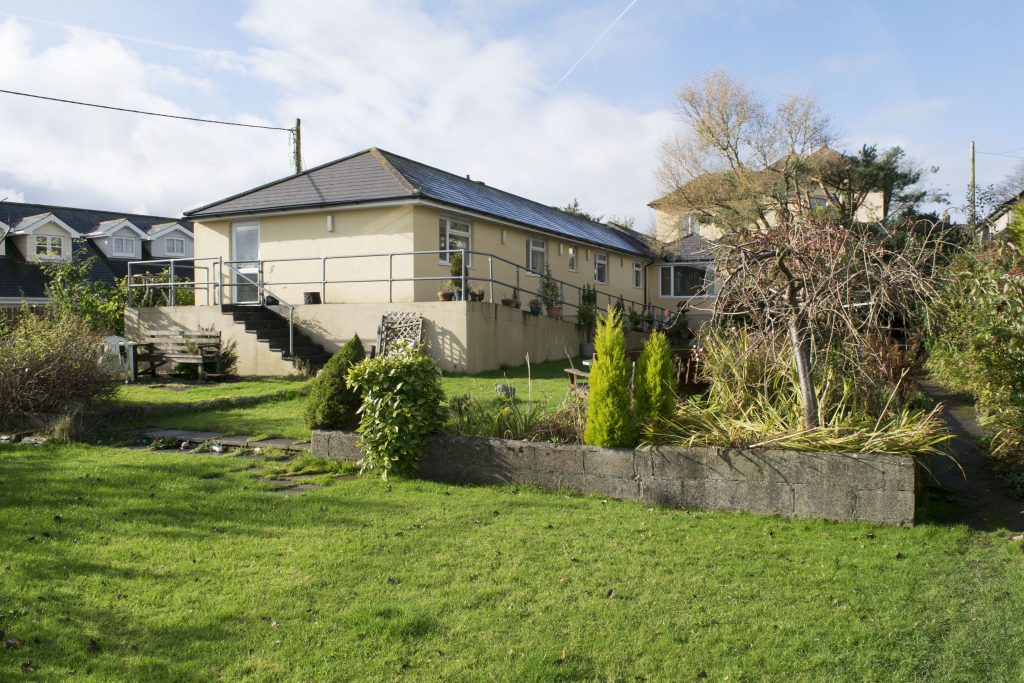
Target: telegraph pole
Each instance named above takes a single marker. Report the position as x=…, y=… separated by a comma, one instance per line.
x=972, y=218
x=297, y=135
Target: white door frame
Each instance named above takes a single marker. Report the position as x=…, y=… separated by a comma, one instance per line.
x=252, y=272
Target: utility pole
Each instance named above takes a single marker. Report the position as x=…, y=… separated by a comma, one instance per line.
x=297, y=136
x=972, y=218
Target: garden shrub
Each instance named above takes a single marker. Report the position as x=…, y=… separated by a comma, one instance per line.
x=332, y=402
x=401, y=406
x=655, y=394
x=49, y=363
x=610, y=420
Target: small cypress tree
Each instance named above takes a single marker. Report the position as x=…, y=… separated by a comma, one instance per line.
x=332, y=404
x=609, y=418
x=655, y=394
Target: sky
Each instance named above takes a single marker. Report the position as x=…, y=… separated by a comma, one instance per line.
x=549, y=100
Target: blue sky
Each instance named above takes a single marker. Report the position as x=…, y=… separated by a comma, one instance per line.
x=467, y=86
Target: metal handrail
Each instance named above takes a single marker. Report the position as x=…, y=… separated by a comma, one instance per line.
x=465, y=278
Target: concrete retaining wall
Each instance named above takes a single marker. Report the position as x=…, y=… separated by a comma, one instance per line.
x=835, y=486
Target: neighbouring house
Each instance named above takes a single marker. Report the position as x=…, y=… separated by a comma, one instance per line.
x=337, y=245
x=999, y=220
x=34, y=234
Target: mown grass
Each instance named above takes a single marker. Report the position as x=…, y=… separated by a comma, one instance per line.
x=283, y=418
x=183, y=567
x=171, y=391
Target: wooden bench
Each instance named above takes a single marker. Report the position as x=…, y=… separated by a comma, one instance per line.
x=183, y=348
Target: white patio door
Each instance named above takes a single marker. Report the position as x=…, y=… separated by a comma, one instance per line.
x=245, y=253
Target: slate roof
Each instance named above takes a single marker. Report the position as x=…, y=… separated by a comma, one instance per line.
x=375, y=175
x=20, y=278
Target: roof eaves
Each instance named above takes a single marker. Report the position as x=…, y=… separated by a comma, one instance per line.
x=295, y=207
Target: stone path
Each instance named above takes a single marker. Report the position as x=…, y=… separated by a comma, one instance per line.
x=199, y=437
x=981, y=500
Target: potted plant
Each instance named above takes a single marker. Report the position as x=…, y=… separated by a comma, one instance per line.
x=476, y=294
x=512, y=301
x=456, y=271
x=636, y=320
x=535, y=304
x=551, y=293
x=447, y=292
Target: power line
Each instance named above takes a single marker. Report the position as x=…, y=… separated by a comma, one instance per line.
x=146, y=113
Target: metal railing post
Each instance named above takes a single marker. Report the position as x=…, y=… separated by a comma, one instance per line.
x=518, y=302
x=220, y=281
x=323, y=279
x=391, y=282
x=291, y=331
x=259, y=282
x=172, y=283
x=465, y=281
x=490, y=277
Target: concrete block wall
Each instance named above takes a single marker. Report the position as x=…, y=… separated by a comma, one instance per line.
x=834, y=486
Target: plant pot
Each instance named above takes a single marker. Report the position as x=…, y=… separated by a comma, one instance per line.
x=534, y=310
x=508, y=302
x=445, y=296
x=476, y=297
x=554, y=311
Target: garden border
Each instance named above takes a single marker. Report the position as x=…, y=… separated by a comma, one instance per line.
x=876, y=488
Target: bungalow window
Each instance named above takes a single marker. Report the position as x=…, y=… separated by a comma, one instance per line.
x=48, y=245
x=638, y=275
x=124, y=246
x=454, y=235
x=689, y=225
x=536, y=255
x=175, y=246
x=572, y=259
x=601, y=267
x=686, y=280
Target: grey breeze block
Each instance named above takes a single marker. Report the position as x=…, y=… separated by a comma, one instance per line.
x=835, y=486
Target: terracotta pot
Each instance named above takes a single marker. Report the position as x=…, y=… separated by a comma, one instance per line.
x=445, y=296
x=508, y=302
x=555, y=312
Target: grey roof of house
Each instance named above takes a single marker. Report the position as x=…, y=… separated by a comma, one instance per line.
x=375, y=175
x=689, y=248
x=20, y=278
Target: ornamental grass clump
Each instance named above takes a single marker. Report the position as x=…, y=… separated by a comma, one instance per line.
x=332, y=403
x=610, y=419
x=401, y=407
x=654, y=396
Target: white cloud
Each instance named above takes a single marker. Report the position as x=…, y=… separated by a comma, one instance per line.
x=8, y=194
x=436, y=88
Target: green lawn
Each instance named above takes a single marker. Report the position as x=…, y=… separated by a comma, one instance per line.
x=135, y=565
x=170, y=391
x=283, y=417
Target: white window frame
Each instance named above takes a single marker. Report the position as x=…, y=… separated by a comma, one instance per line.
x=601, y=259
x=638, y=275
x=129, y=253
x=48, y=245
x=708, y=286
x=174, y=252
x=535, y=246
x=573, y=258
x=446, y=228
x=689, y=225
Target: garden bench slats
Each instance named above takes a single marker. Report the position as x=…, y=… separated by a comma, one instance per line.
x=184, y=348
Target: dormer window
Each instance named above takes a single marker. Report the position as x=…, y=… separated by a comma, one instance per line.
x=175, y=246
x=689, y=225
x=124, y=246
x=49, y=246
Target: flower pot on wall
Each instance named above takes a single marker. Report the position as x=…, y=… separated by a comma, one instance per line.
x=534, y=310
x=508, y=302
x=554, y=311
x=445, y=296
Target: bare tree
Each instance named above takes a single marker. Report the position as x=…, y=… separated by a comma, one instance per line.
x=827, y=286
x=740, y=163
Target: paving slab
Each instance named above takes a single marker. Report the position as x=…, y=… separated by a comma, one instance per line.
x=182, y=434
x=283, y=444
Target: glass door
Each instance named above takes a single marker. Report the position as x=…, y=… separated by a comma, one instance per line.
x=245, y=253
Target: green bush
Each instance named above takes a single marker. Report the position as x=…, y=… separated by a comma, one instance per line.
x=401, y=406
x=655, y=381
x=610, y=421
x=332, y=402
x=49, y=363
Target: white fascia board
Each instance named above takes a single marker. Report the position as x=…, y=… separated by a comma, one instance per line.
x=29, y=225
x=117, y=225
x=169, y=229
x=255, y=216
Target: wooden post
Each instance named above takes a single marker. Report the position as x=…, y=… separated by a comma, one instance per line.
x=297, y=139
